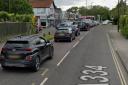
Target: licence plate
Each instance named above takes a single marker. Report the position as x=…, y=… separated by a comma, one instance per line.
x=61, y=34
x=14, y=57
x=14, y=64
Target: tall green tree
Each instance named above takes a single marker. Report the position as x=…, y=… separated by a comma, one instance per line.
x=123, y=10
x=94, y=11
x=73, y=10
x=16, y=6
x=83, y=11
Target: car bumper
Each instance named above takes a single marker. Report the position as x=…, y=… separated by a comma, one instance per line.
x=62, y=38
x=17, y=63
x=84, y=29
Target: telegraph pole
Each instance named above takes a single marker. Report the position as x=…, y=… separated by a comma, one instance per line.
x=86, y=7
x=118, y=15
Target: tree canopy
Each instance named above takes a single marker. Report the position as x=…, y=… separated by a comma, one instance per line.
x=16, y=6
x=93, y=11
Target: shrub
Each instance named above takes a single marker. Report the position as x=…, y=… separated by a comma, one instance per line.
x=27, y=18
x=124, y=25
x=4, y=16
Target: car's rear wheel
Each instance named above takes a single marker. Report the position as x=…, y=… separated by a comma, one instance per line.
x=4, y=67
x=36, y=66
x=55, y=40
x=70, y=40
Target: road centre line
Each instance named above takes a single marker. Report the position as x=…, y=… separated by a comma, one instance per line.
x=45, y=71
x=70, y=50
x=120, y=73
x=84, y=36
x=44, y=81
x=63, y=58
x=75, y=44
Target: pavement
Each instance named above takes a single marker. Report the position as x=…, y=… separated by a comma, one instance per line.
x=120, y=45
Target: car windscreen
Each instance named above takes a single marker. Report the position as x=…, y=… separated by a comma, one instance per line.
x=17, y=44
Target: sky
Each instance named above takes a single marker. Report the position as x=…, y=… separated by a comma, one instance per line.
x=65, y=4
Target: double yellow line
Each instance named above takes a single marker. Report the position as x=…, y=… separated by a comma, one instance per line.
x=118, y=67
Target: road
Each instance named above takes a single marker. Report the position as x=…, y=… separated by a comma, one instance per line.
x=88, y=60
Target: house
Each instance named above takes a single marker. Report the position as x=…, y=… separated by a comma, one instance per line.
x=44, y=11
x=58, y=15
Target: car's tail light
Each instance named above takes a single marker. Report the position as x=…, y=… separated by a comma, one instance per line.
x=28, y=58
x=1, y=57
x=3, y=49
x=28, y=49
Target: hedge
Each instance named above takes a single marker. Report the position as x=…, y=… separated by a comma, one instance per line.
x=124, y=25
x=4, y=16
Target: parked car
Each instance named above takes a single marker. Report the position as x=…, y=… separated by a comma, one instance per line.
x=105, y=22
x=89, y=22
x=76, y=29
x=64, y=33
x=83, y=26
x=26, y=51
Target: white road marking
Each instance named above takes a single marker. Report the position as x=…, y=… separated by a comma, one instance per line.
x=63, y=58
x=81, y=38
x=75, y=44
x=44, y=81
x=33, y=84
x=45, y=71
x=84, y=36
x=120, y=73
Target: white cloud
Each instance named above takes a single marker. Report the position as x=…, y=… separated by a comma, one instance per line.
x=65, y=4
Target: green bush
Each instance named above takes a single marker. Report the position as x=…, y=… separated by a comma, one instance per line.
x=124, y=25
x=27, y=18
x=4, y=16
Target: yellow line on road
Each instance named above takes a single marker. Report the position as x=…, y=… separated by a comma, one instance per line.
x=45, y=71
x=33, y=84
x=120, y=73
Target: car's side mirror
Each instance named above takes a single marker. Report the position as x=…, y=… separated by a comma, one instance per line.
x=47, y=41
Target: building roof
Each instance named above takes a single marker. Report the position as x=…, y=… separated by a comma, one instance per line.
x=41, y=3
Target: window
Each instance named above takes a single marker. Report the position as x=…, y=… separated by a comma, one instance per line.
x=41, y=10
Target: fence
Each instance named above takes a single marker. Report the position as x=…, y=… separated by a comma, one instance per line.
x=9, y=29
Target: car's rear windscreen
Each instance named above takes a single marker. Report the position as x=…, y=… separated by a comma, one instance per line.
x=62, y=30
x=17, y=44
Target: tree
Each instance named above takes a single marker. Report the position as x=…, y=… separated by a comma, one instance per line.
x=83, y=10
x=16, y=6
x=122, y=11
x=73, y=10
x=94, y=11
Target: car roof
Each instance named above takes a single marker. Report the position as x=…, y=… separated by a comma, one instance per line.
x=24, y=38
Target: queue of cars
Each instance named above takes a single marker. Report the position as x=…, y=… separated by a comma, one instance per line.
x=68, y=30
x=31, y=51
